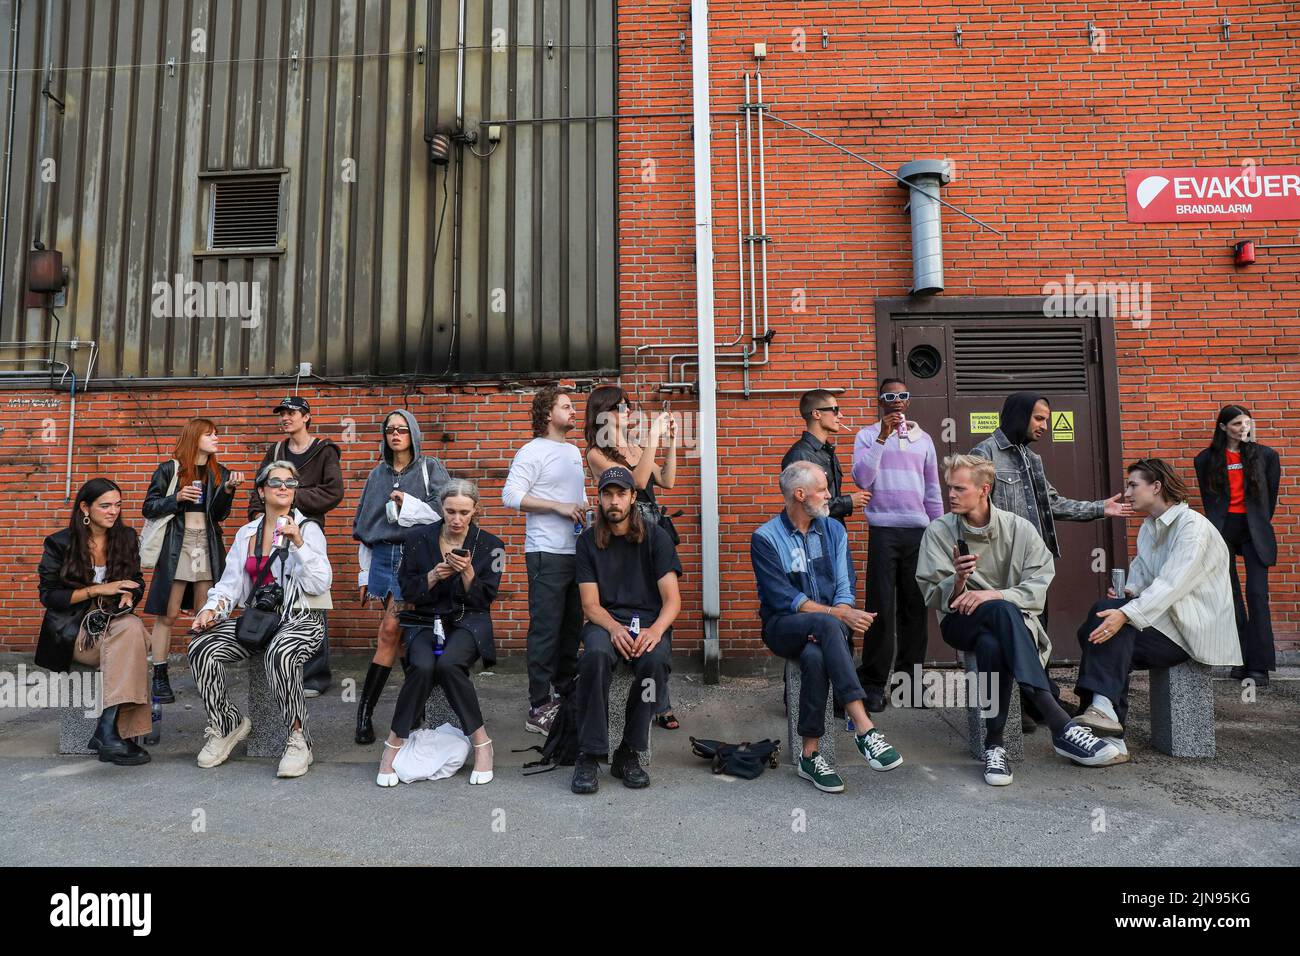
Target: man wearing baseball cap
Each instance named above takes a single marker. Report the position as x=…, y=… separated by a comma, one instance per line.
x=319, y=492
x=627, y=574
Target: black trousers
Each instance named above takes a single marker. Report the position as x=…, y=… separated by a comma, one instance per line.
x=1105, y=668
x=554, y=622
x=1254, y=620
x=1003, y=646
x=596, y=673
x=450, y=671
x=820, y=643
x=898, y=633
x=316, y=672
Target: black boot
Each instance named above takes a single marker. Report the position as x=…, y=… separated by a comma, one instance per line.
x=111, y=747
x=162, y=687
x=376, y=678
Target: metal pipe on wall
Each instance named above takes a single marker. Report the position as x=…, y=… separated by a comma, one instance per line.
x=38, y=218
x=711, y=590
x=9, y=150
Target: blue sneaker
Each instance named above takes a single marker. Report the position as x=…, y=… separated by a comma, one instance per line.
x=1081, y=745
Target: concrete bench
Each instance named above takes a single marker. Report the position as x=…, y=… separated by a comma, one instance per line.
x=437, y=711
x=1182, y=710
x=793, y=685
x=75, y=728
x=619, y=688
x=269, y=734
x=1013, y=737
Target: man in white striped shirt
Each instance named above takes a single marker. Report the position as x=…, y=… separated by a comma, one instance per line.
x=1178, y=602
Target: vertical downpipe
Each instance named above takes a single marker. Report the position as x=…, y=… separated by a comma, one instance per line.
x=9, y=149
x=925, y=177
x=708, y=430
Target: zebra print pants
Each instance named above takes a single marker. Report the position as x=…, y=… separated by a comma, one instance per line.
x=298, y=638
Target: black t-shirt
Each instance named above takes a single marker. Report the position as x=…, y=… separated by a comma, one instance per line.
x=297, y=460
x=628, y=574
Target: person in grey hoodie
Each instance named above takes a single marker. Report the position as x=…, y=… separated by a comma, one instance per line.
x=401, y=493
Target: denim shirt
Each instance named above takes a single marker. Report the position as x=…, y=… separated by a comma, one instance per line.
x=1034, y=500
x=792, y=568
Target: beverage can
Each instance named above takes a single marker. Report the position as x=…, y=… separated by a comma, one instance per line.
x=391, y=511
x=198, y=485
x=278, y=539
x=1117, y=581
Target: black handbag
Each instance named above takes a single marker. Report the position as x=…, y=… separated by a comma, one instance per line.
x=261, y=616
x=652, y=513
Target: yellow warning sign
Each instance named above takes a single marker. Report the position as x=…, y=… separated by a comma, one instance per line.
x=983, y=423
x=1062, y=426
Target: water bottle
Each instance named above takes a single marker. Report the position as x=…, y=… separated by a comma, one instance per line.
x=439, y=637
x=155, y=717
x=635, y=627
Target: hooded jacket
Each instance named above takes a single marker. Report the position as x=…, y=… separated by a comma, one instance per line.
x=1021, y=486
x=321, y=477
x=421, y=482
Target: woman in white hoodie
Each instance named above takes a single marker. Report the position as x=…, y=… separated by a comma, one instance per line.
x=285, y=547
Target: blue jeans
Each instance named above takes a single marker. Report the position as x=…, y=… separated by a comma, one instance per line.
x=820, y=643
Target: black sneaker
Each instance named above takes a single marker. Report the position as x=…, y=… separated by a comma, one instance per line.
x=315, y=687
x=1237, y=673
x=875, y=700
x=161, y=687
x=1081, y=745
x=626, y=766
x=585, y=770
x=997, y=772
x=1259, y=677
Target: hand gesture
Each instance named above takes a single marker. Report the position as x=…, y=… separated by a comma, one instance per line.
x=964, y=565
x=861, y=499
x=1111, y=621
x=234, y=480
x=188, y=494
x=622, y=640
x=1117, y=507
x=889, y=424
x=647, y=640
x=203, y=620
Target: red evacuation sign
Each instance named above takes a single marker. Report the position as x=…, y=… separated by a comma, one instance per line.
x=1206, y=194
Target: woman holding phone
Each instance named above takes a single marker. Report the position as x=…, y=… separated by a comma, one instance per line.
x=280, y=547
x=1239, y=479
x=195, y=491
x=450, y=574
x=89, y=583
x=609, y=445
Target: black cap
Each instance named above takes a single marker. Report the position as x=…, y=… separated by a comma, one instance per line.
x=292, y=403
x=616, y=476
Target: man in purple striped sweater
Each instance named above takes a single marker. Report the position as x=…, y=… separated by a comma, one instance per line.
x=896, y=461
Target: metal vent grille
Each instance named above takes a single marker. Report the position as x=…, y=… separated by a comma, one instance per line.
x=246, y=212
x=1014, y=359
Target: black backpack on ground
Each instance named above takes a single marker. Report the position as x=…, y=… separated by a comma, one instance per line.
x=561, y=747
x=745, y=760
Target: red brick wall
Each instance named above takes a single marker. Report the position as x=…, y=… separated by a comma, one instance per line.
x=1040, y=127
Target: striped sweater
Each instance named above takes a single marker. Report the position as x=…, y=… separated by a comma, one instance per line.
x=903, y=480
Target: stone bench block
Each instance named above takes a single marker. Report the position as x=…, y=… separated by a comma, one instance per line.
x=1182, y=710
x=793, y=685
x=1013, y=737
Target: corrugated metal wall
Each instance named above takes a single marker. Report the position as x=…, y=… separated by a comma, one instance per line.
x=352, y=291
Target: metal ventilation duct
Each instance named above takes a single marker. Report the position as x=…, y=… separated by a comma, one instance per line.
x=925, y=177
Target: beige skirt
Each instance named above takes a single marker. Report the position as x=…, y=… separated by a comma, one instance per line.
x=194, y=564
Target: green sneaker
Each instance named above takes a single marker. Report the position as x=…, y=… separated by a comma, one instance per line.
x=822, y=774
x=877, y=751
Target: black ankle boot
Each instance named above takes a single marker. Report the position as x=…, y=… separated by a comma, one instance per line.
x=376, y=678
x=162, y=687
x=111, y=747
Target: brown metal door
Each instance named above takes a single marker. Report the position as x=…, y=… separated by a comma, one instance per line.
x=959, y=372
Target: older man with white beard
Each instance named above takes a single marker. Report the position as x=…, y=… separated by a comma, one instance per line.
x=801, y=563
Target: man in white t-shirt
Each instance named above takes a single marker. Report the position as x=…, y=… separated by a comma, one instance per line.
x=546, y=481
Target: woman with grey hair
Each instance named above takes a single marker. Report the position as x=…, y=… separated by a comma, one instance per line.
x=280, y=547
x=449, y=575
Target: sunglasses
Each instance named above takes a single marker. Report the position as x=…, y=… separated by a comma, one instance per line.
x=397, y=430
x=282, y=482
x=895, y=396
x=830, y=408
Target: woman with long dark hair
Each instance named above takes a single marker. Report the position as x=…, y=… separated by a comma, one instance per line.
x=193, y=493
x=1238, y=479
x=450, y=574
x=610, y=445
x=89, y=582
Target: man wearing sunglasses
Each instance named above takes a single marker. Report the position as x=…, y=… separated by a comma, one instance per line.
x=320, y=478
x=896, y=461
x=823, y=418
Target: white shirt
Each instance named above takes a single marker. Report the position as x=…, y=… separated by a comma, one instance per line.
x=1180, y=577
x=551, y=470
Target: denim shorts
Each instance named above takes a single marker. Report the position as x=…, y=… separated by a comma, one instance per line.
x=385, y=559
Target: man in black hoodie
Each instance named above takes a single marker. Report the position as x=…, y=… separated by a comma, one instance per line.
x=319, y=492
x=1022, y=487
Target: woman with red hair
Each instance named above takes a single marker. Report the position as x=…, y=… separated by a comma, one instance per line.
x=192, y=494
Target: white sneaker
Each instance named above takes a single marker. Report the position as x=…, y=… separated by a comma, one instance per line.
x=218, y=748
x=297, y=756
